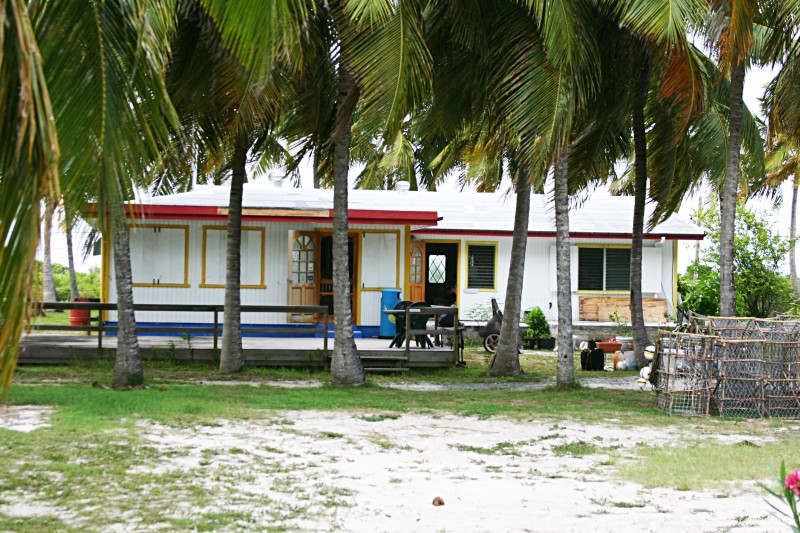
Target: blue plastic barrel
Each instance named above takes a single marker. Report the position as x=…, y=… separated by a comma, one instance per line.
x=389, y=298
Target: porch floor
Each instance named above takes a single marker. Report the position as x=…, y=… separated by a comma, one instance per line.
x=258, y=351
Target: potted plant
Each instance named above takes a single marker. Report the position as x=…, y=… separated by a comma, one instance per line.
x=538, y=331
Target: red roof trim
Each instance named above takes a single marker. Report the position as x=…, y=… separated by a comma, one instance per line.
x=355, y=216
x=552, y=235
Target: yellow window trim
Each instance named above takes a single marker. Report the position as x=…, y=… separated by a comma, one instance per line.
x=204, y=285
x=604, y=292
x=484, y=243
x=185, y=228
x=590, y=245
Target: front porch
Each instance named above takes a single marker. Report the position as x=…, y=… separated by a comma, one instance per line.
x=43, y=349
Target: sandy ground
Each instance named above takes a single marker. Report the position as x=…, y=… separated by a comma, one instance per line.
x=322, y=471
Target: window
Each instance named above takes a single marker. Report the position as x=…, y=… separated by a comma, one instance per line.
x=437, y=268
x=251, y=259
x=604, y=269
x=159, y=255
x=481, y=266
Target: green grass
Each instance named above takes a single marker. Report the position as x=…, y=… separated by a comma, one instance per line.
x=706, y=465
x=53, y=318
x=80, y=405
x=536, y=367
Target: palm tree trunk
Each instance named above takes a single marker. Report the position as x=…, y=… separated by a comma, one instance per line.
x=727, y=290
x=48, y=285
x=127, y=365
x=346, y=367
x=565, y=374
x=317, y=162
x=506, y=359
x=792, y=237
x=231, y=358
x=73, y=280
x=640, y=339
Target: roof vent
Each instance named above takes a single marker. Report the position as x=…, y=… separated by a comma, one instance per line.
x=276, y=178
x=402, y=186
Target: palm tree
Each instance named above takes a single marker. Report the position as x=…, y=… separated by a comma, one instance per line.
x=782, y=164
x=731, y=32
x=108, y=83
x=48, y=284
x=74, y=294
x=28, y=172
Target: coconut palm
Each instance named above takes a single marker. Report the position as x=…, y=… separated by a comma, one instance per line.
x=229, y=115
x=28, y=171
x=99, y=76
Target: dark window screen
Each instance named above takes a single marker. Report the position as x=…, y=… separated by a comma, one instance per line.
x=590, y=269
x=480, y=274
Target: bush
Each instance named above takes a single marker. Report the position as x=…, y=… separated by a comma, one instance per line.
x=537, y=324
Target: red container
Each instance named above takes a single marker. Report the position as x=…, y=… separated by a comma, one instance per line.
x=79, y=317
x=609, y=347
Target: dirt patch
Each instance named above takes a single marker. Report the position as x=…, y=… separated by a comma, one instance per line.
x=326, y=471
x=24, y=418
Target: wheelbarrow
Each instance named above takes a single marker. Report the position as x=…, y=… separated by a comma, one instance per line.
x=490, y=333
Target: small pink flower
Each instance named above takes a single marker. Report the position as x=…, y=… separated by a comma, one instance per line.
x=793, y=482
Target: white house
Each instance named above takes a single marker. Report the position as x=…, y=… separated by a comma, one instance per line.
x=428, y=245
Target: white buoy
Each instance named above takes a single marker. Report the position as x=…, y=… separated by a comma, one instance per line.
x=645, y=373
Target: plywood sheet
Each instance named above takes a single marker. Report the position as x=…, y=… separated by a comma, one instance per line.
x=599, y=308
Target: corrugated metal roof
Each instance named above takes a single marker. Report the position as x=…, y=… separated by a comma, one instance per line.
x=459, y=211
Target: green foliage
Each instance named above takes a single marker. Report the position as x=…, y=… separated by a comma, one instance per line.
x=538, y=326
x=761, y=289
x=88, y=283
x=699, y=287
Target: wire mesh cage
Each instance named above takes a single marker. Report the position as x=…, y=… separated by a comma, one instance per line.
x=744, y=367
x=740, y=390
x=684, y=365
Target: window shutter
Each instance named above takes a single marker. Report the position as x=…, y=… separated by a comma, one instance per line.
x=618, y=269
x=590, y=269
x=480, y=267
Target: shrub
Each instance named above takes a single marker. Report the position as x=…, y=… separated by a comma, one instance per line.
x=537, y=324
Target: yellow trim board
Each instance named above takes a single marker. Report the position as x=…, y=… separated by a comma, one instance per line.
x=204, y=249
x=484, y=243
x=185, y=228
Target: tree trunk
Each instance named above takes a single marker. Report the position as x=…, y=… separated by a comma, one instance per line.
x=346, y=367
x=317, y=162
x=127, y=365
x=727, y=290
x=565, y=376
x=231, y=358
x=640, y=339
x=792, y=237
x=506, y=359
x=73, y=280
x=48, y=285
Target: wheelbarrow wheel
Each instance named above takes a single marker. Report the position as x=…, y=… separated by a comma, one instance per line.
x=490, y=342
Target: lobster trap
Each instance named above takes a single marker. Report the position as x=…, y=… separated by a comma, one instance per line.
x=740, y=367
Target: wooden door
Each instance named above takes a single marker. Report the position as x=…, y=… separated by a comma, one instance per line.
x=302, y=274
x=416, y=272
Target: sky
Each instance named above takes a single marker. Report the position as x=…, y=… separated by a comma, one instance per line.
x=755, y=82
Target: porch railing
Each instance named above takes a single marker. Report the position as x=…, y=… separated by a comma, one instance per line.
x=216, y=329
x=438, y=330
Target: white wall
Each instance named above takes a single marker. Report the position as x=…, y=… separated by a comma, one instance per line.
x=380, y=269
x=382, y=266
